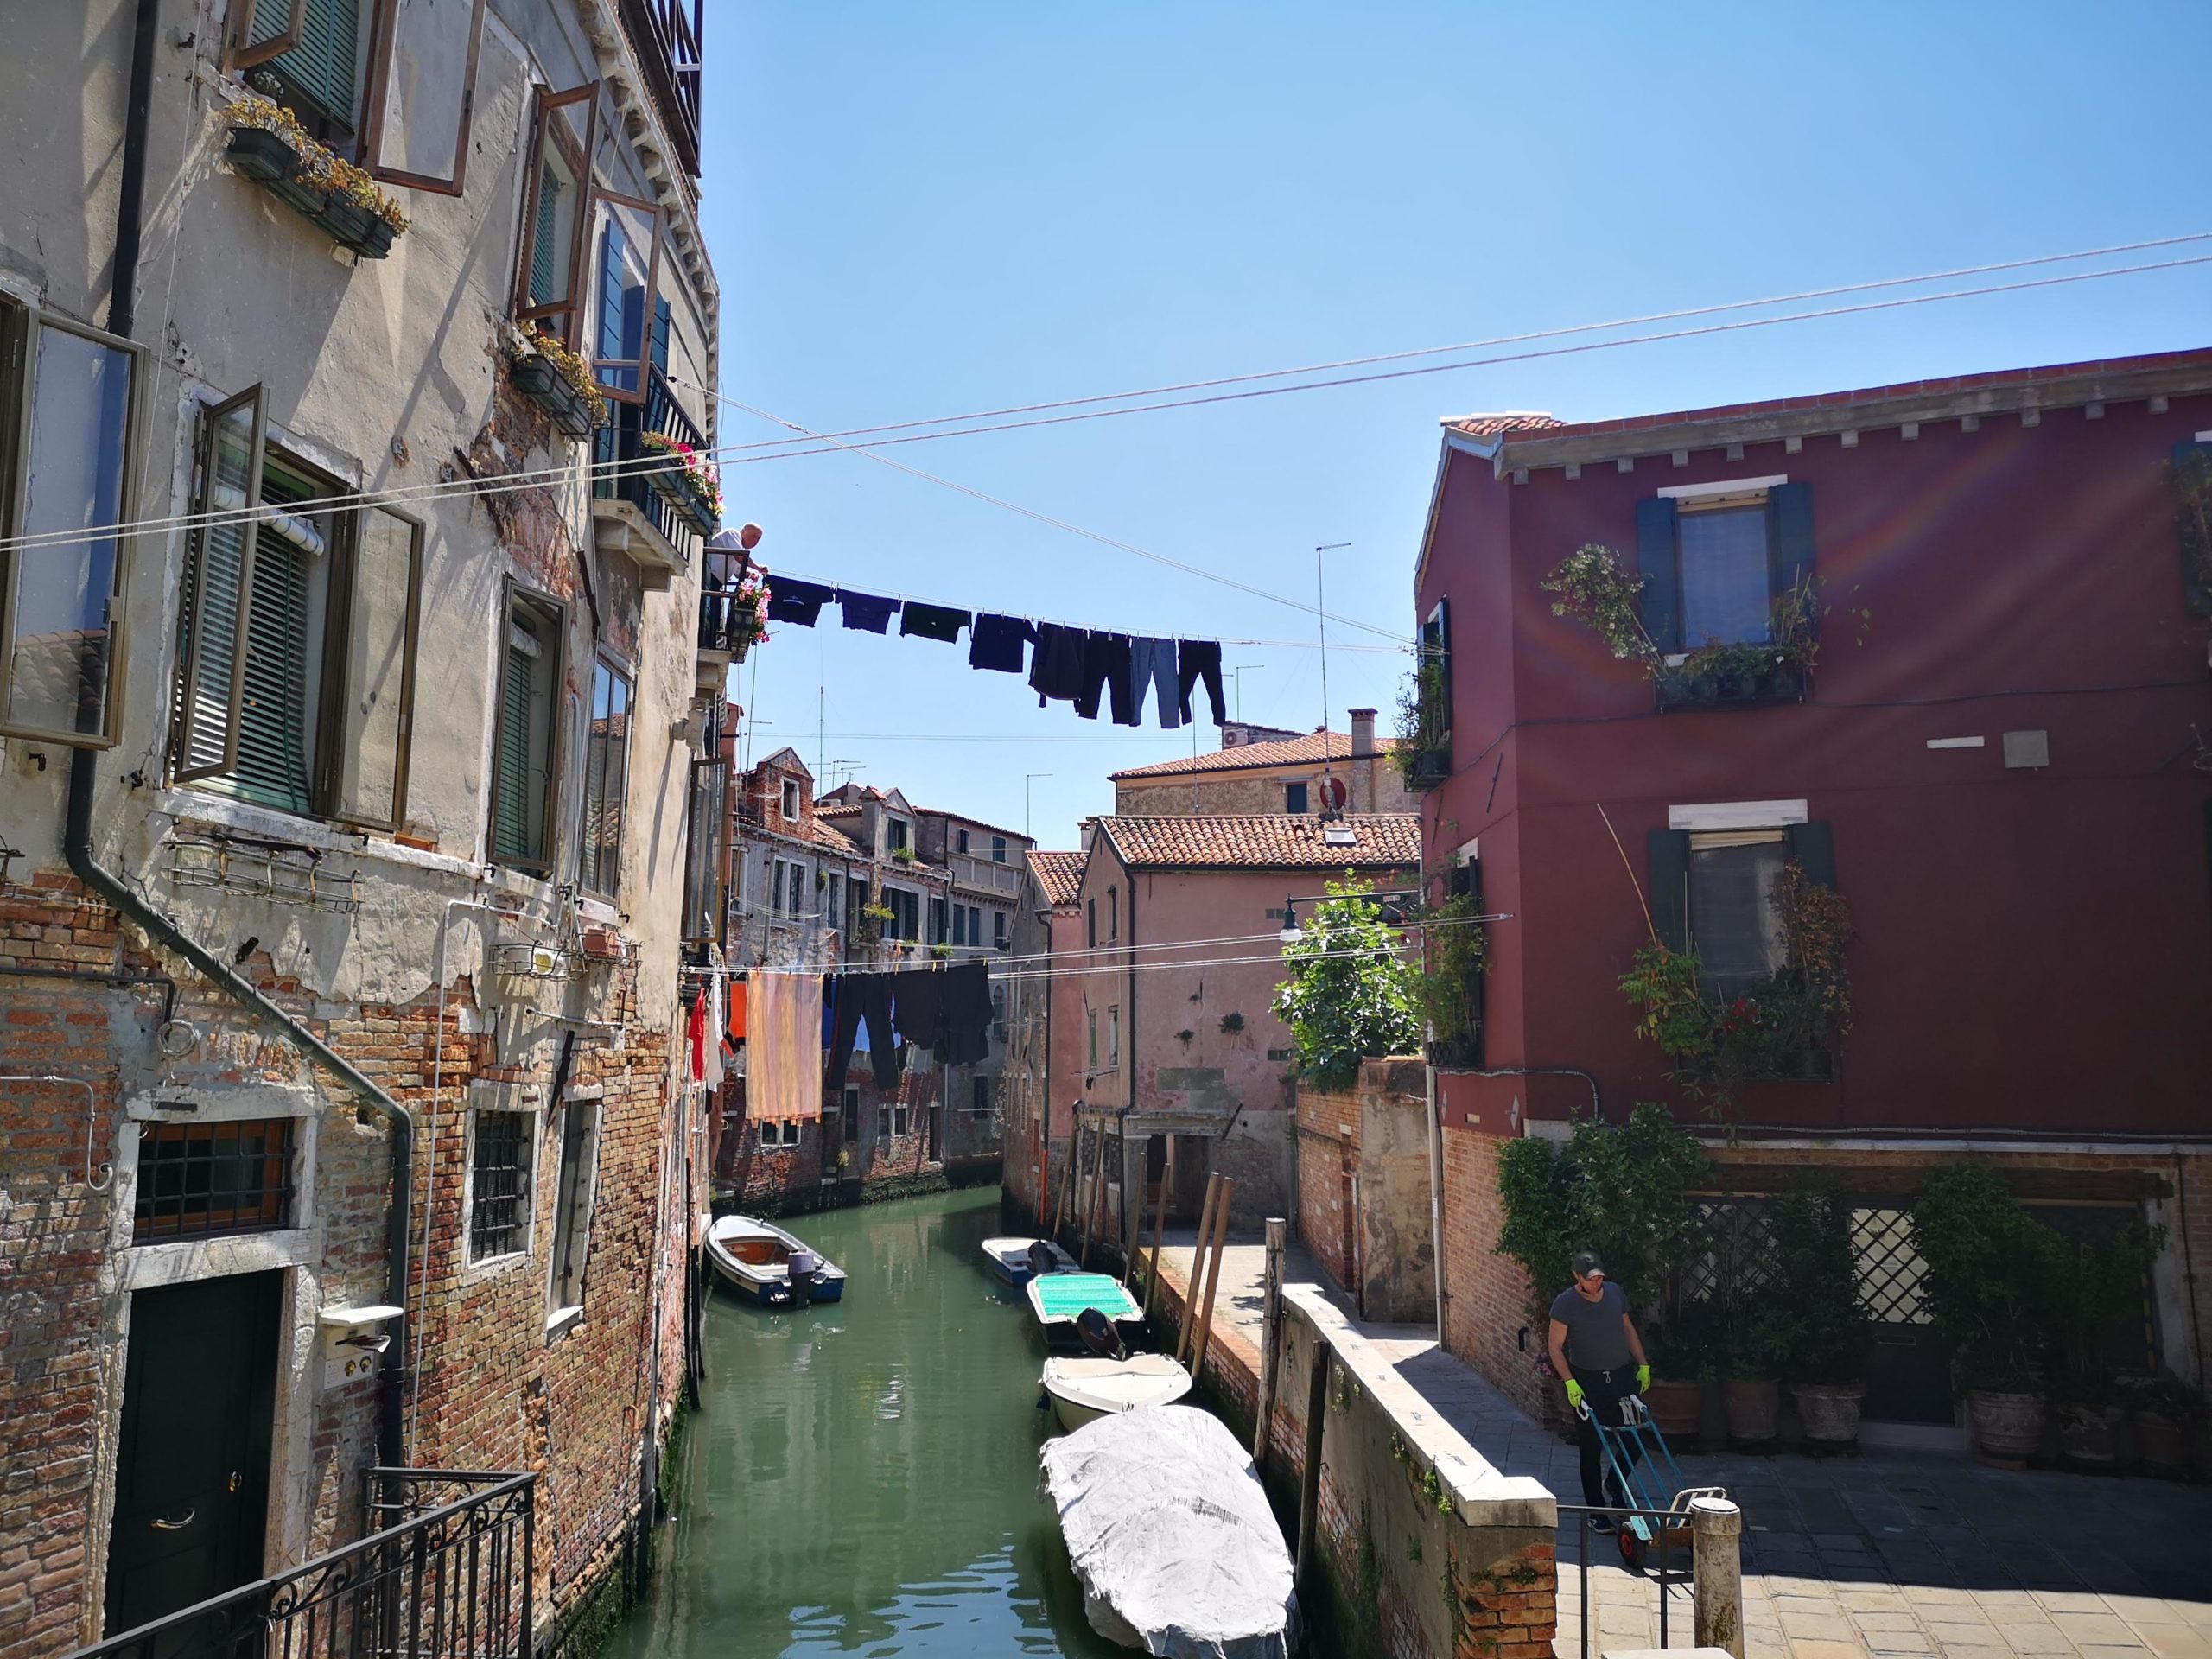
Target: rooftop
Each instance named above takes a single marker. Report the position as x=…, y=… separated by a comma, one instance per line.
x=1289, y=752
x=1273, y=840
x=1060, y=874
x=1512, y=420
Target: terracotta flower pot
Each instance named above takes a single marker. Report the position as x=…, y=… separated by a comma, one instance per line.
x=1754, y=1408
x=2007, y=1428
x=2161, y=1445
x=1677, y=1405
x=1829, y=1411
x=2089, y=1435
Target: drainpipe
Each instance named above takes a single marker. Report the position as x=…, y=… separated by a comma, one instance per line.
x=77, y=835
x=1436, y=1199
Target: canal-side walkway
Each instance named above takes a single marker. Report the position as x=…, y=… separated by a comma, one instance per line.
x=1884, y=1554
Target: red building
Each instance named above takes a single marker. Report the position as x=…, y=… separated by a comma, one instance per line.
x=1998, y=755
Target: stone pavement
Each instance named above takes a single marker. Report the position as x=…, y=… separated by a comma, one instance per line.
x=1884, y=1554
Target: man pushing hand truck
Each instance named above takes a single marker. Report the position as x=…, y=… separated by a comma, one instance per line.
x=1595, y=1347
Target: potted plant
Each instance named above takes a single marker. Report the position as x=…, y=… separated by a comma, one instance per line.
x=1420, y=754
x=1686, y=1361
x=2166, y=1415
x=1760, y=1336
x=686, y=479
x=1990, y=1268
x=558, y=380
x=1827, y=1361
x=2096, y=1295
x=267, y=145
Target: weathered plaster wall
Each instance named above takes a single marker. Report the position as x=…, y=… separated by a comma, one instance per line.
x=1363, y=1198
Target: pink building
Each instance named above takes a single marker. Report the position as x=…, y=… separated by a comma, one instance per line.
x=1043, y=1076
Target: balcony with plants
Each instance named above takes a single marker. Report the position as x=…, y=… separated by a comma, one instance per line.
x=1422, y=753
x=654, y=485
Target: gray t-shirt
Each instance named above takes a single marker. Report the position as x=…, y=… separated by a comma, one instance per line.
x=1595, y=1340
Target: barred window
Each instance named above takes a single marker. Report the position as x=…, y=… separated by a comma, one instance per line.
x=196, y=1180
x=499, y=1219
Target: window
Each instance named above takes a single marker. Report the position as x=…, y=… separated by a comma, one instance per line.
x=296, y=658
x=1294, y=797
x=564, y=129
x=795, y=889
x=421, y=90
x=627, y=295
x=1091, y=924
x=1733, y=928
x=936, y=920
x=1113, y=1036
x=312, y=50
x=849, y=1125
x=982, y=1107
x=783, y=1133
x=998, y=1012
x=893, y=1120
x=67, y=413
x=499, y=1150
x=894, y=830
x=1436, y=652
x=1724, y=555
x=791, y=800
x=523, y=746
x=998, y=850
x=906, y=909
x=1090, y=1027
x=1113, y=913
x=998, y=929
x=572, y=1202
x=196, y=1180
x=1714, y=559
x=963, y=841
x=607, y=779
x=959, y=923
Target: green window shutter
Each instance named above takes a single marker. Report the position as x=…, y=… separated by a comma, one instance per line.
x=1789, y=534
x=204, y=681
x=513, y=835
x=321, y=68
x=1667, y=853
x=1813, y=845
x=543, y=257
x=1658, y=558
x=2192, y=486
x=272, y=768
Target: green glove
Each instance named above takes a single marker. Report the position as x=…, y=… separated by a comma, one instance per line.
x=1643, y=1378
x=1574, y=1394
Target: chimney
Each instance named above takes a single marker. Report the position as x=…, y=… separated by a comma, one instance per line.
x=1362, y=731
x=1089, y=829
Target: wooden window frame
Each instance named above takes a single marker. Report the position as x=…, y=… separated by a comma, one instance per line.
x=579, y=159
x=255, y=397
x=19, y=331
x=642, y=363
x=628, y=675
x=384, y=32
x=241, y=52
x=511, y=591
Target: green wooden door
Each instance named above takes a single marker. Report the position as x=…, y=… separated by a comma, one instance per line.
x=192, y=1475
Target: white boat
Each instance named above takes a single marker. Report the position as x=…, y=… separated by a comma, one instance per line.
x=764, y=1264
x=1171, y=1536
x=1014, y=1259
x=1086, y=1389
x=1058, y=1299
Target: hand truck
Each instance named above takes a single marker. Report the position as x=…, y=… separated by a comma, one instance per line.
x=1656, y=1537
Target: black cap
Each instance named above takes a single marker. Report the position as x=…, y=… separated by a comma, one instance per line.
x=1586, y=1263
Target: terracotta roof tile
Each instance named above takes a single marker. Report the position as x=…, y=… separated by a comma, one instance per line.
x=1493, y=426
x=1256, y=840
x=1060, y=874
x=1286, y=751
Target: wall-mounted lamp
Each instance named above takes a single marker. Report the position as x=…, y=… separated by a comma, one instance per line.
x=1290, y=934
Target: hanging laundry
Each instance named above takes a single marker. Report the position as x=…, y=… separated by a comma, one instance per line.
x=947, y=1011
x=867, y=612
x=828, y=1011
x=864, y=999
x=1056, y=666
x=711, y=1034
x=931, y=621
x=1154, y=669
x=1200, y=659
x=996, y=642
x=792, y=600
x=736, y=1025
x=695, y=1034
x=1107, y=663
x=783, y=1071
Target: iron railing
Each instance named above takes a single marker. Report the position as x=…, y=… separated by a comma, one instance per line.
x=619, y=444
x=445, y=1571
x=667, y=35
x=720, y=572
x=1666, y=1567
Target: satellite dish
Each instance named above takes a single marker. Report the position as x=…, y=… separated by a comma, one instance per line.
x=1333, y=792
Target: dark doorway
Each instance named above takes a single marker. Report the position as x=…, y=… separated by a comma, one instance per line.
x=192, y=1469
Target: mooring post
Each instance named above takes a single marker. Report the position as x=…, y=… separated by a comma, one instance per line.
x=1270, y=1333
x=1717, y=1568
x=1160, y=1226
x=1213, y=1278
x=1090, y=1202
x=1060, y=1206
x=1186, y=1338
x=1309, y=1481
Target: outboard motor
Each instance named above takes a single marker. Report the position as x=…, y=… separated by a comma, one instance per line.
x=1099, y=1335
x=802, y=1269
x=1041, y=1260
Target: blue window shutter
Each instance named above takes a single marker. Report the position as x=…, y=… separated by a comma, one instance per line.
x=1789, y=534
x=2192, y=483
x=612, y=245
x=1813, y=845
x=1667, y=854
x=1658, y=558
x=662, y=327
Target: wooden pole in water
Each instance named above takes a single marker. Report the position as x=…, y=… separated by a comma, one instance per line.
x=1160, y=1225
x=1096, y=1226
x=1309, y=1483
x=1067, y=1179
x=1082, y=1198
x=1271, y=1332
x=1213, y=1278
x=1187, y=1335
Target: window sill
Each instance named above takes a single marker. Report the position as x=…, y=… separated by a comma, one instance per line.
x=1784, y=683
x=560, y=1322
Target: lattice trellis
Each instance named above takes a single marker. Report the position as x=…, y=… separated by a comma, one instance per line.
x=1891, y=1276
x=1740, y=1258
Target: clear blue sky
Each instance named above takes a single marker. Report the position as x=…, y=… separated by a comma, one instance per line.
x=917, y=210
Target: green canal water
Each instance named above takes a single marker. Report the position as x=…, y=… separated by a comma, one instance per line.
x=862, y=1479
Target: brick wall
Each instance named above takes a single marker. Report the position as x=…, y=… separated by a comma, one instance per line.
x=1489, y=1302
x=1328, y=1127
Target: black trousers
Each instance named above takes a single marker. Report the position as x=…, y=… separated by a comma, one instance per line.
x=863, y=997
x=1603, y=1392
x=1109, y=664
x=1196, y=660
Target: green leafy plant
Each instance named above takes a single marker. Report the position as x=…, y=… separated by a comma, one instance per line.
x=1456, y=949
x=1350, y=988
x=942, y=952
x=1597, y=587
x=905, y=856
x=1818, y=1284
x=2191, y=478
x=2096, y=1308
x=1992, y=1269
x=1423, y=720
x=1622, y=1191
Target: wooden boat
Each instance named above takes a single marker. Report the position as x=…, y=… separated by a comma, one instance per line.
x=1084, y=1390
x=1014, y=1259
x=1171, y=1536
x=1058, y=1298
x=764, y=1264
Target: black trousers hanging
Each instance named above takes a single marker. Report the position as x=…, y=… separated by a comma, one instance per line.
x=863, y=997
x=1196, y=660
x=1107, y=663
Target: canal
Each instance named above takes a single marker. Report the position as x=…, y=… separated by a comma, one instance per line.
x=862, y=1479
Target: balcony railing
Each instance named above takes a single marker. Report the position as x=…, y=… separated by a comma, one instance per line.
x=619, y=446
x=719, y=630
x=985, y=876
x=667, y=35
x=447, y=1570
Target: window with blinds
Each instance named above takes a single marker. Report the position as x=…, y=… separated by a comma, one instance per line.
x=607, y=776
x=549, y=285
x=524, y=747
x=319, y=74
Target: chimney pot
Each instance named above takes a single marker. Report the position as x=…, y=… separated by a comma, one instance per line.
x=1362, y=731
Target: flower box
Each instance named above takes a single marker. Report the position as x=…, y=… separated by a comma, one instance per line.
x=366, y=232
x=1782, y=682
x=261, y=156
x=538, y=378
x=268, y=145
x=1430, y=768
x=670, y=478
